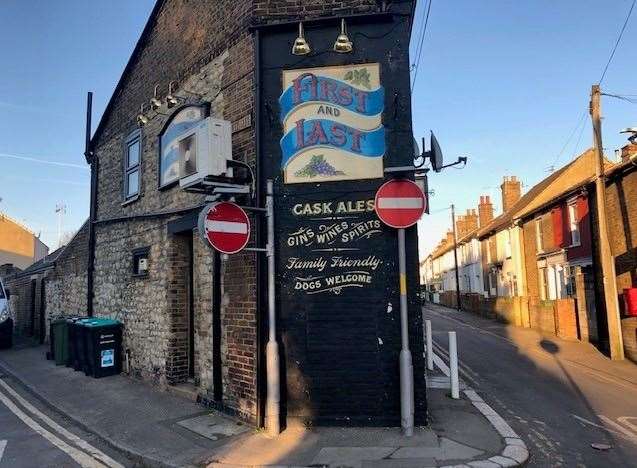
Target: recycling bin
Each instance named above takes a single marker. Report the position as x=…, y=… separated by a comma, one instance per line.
x=75, y=342
x=103, y=347
x=59, y=337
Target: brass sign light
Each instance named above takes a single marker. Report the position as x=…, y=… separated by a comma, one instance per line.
x=343, y=45
x=301, y=46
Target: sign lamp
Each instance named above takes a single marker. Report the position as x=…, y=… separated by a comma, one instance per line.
x=343, y=45
x=171, y=101
x=154, y=102
x=141, y=118
x=301, y=46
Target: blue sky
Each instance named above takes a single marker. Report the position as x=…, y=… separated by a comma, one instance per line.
x=503, y=82
x=506, y=82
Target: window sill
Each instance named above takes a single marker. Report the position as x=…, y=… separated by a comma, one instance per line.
x=131, y=200
x=575, y=245
x=168, y=185
x=139, y=275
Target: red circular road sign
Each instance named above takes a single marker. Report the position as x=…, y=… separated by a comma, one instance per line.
x=400, y=203
x=226, y=226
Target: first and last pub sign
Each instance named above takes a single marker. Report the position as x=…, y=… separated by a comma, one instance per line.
x=332, y=131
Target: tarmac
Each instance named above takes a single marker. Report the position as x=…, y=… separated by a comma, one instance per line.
x=159, y=429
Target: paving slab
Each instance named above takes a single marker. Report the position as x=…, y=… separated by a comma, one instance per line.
x=213, y=426
x=350, y=456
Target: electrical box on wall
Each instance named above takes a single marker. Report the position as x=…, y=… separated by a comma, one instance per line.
x=204, y=151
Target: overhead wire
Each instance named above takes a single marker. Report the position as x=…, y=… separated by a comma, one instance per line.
x=626, y=98
x=420, y=44
x=619, y=38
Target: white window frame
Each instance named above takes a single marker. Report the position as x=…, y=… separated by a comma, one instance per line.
x=508, y=249
x=133, y=138
x=573, y=224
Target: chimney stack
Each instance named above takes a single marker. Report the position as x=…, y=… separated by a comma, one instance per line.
x=628, y=151
x=471, y=221
x=461, y=226
x=485, y=210
x=449, y=239
x=511, y=192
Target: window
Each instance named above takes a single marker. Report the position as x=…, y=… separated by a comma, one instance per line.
x=573, y=223
x=507, y=244
x=571, y=273
x=539, y=237
x=141, y=261
x=544, y=283
x=132, y=159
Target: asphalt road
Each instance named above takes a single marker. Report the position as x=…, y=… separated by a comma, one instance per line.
x=31, y=436
x=559, y=396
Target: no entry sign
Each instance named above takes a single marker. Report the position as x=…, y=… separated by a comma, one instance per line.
x=226, y=226
x=400, y=203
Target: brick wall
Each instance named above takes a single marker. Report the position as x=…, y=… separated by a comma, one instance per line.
x=621, y=200
x=281, y=10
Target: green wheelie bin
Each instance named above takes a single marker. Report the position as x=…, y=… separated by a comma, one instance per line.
x=103, y=347
x=59, y=336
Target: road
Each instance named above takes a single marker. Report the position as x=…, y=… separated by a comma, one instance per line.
x=559, y=396
x=31, y=435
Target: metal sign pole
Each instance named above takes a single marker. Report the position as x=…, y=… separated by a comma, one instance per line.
x=273, y=399
x=406, y=366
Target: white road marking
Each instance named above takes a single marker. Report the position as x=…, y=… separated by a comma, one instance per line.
x=545, y=355
x=81, y=443
x=464, y=368
x=618, y=426
x=3, y=445
x=622, y=433
x=625, y=421
x=80, y=457
x=514, y=442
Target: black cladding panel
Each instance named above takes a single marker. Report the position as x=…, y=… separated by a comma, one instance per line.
x=337, y=280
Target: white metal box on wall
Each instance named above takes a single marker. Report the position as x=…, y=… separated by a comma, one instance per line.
x=204, y=151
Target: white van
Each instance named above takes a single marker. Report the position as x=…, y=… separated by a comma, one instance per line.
x=6, y=323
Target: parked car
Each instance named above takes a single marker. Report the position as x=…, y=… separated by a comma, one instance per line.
x=6, y=322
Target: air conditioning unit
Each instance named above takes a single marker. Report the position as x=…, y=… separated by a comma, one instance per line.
x=204, y=152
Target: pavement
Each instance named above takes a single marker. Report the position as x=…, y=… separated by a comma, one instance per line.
x=138, y=425
x=570, y=404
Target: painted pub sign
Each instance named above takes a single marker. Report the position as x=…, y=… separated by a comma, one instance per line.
x=332, y=124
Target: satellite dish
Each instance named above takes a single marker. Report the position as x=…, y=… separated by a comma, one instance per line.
x=416, y=149
x=435, y=154
x=419, y=159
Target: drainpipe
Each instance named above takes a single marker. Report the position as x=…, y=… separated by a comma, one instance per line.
x=260, y=265
x=93, y=161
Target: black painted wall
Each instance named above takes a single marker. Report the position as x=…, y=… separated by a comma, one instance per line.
x=340, y=348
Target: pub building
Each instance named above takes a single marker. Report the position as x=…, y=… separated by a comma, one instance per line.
x=322, y=118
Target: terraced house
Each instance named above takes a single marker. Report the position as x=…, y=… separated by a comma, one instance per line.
x=539, y=259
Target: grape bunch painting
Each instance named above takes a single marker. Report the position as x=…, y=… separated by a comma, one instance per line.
x=318, y=166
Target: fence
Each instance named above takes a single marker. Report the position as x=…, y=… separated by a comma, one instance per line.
x=558, y=317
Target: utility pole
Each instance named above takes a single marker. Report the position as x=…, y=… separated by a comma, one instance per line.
x=455, y=254
x=605, y=254
x=60, y=209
